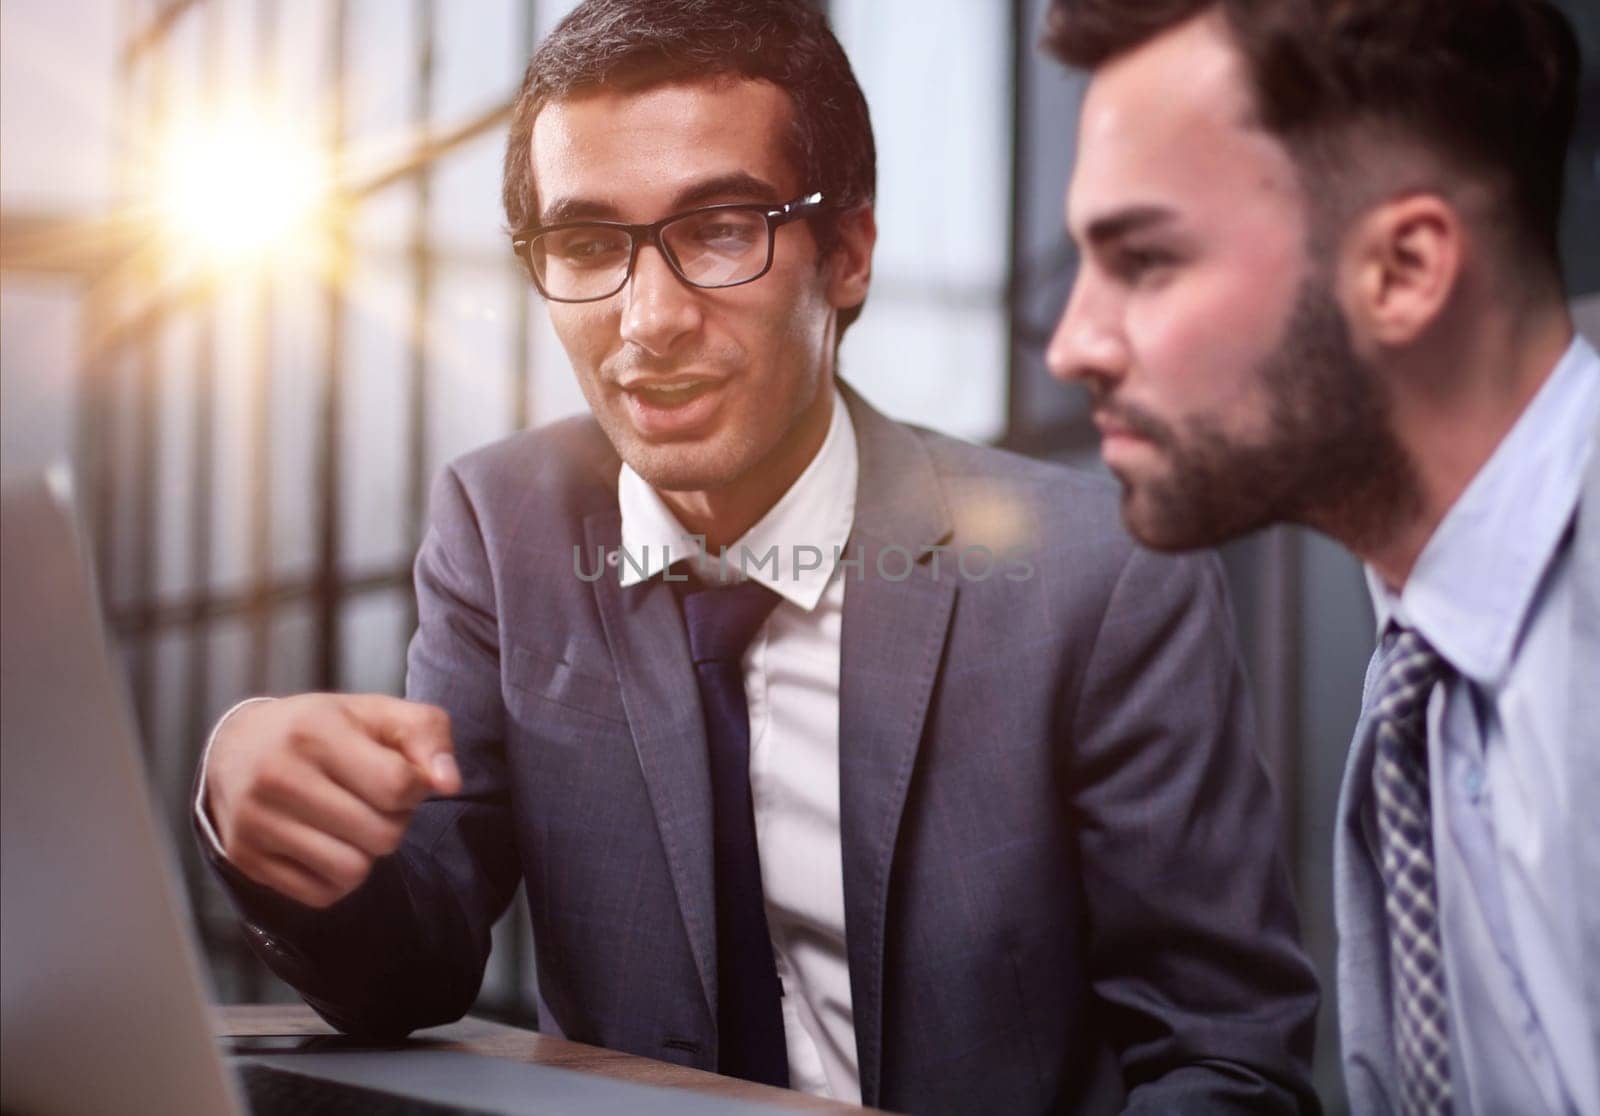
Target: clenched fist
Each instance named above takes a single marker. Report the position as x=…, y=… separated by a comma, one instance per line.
x=306, y=792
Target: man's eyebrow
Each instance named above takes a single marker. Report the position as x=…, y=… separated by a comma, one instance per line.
x=1114, y=226
x=737, y=186
x=577, y=209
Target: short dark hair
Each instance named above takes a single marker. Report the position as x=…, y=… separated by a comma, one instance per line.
x=636, y=44
x=1489, y=85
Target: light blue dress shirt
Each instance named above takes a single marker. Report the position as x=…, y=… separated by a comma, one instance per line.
x=1491, y=592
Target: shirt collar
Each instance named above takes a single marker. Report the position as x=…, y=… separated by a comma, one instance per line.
x=818, y=511
x=1475, y=580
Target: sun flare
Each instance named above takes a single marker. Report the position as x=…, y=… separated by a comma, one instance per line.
x=240, y=186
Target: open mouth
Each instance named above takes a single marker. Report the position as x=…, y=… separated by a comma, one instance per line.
x=678, y=409
x=669, y=396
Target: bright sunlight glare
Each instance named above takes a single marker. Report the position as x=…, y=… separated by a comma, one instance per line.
x=239, y=186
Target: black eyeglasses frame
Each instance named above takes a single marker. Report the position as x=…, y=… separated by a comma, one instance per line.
x=807, y=205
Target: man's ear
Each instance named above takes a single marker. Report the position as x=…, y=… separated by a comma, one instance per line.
x=1401, y=266
x=850, y=265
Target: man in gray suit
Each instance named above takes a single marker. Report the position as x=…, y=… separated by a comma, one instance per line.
x=1320, y=285
x=952, y=788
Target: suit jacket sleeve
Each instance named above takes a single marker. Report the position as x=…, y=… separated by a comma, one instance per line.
x=1193, y=938
x=407, y=948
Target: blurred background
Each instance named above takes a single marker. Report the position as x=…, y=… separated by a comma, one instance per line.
x=255, y=287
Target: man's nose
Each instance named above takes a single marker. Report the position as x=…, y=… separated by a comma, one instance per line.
x=659, y=309
x=1089, y=342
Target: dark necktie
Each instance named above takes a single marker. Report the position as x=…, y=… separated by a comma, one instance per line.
x=721, y=622
x=1405, y=831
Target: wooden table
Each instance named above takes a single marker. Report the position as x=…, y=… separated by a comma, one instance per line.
x=496, y=1040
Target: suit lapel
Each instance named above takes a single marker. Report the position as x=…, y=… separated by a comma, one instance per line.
x=1585, y=712
x=892, y=644
x=1365, y=1015
x=645, y=633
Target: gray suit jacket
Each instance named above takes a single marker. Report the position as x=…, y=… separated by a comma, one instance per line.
x=1057, y=836
x=1365, y=1012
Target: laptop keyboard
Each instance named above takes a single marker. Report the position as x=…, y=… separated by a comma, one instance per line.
x=271, y=1091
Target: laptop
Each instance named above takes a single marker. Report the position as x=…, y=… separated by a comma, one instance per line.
x=105, y=1003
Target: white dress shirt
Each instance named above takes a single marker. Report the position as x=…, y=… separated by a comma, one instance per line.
x=791, y=683
x=1491, y=592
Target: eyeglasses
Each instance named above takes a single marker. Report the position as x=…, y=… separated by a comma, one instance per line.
x=711, y=247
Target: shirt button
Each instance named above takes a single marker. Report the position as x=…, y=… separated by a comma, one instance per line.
x=1473, y=782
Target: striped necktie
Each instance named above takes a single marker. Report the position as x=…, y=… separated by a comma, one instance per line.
x=1405, y=831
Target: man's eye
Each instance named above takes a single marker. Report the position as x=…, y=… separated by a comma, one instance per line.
x=579, y=249
x=1138, y=263
x=587, y=249
x=726, y=235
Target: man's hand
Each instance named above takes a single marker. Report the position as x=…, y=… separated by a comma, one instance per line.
x=306, y=792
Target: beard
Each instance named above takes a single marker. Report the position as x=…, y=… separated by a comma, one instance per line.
x=1329, y=458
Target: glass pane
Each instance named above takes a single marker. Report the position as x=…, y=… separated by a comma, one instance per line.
x=374, y=629
x=233, y=435
x=291, y=658
x=931, y=344
x=169, y=751
x=1047, y=412
x=470, y=357
x=464, y=210
x=555, y=390
x=240, y=42
x=304, y=34
x=298, y=361
x=932, y=361
x=380, y=95
x=550, y=13
x=122, y=387
x=376, y=435
x=176, y=403
x=57, y=109
x=476, y=67
x=227, y=649
x=477, y=56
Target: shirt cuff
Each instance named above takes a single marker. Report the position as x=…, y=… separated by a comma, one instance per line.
x=201, y=816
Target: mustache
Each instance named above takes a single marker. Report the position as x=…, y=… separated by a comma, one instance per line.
x=1135, y=418
x=633, y=363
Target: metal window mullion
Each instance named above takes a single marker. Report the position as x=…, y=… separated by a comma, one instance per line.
x=1021, y=170
x=95, y=417
x=193, y=609
x=1277, y=643
x=522, y=366
x=142, y=477
x=329, y=584
x=261, y=548
x=202, y=493
x=421, y=294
